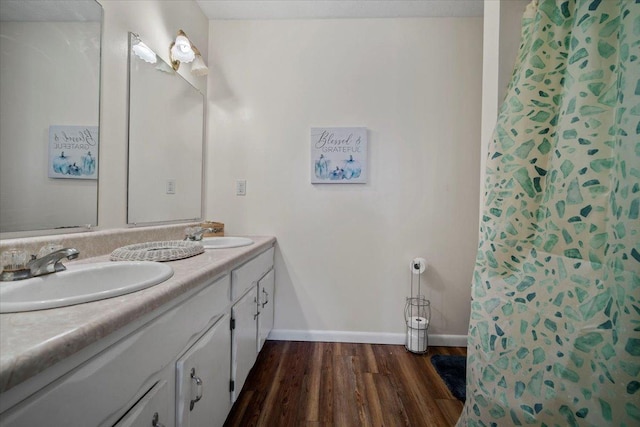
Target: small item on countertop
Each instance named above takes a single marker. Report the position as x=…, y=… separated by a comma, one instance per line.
x=15, y=260
x=218, y=228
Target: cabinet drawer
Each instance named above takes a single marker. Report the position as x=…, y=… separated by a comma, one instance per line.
x=105, y=387
x=248, y=275
x=154, y=406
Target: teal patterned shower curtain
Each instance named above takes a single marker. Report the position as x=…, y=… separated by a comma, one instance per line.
x=554, y=336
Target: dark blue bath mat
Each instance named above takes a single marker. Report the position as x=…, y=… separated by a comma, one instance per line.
x=453, y=371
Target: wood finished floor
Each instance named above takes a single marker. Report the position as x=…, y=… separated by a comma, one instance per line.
x=338, y=384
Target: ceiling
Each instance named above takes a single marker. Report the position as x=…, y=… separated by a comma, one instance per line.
x=329, y=9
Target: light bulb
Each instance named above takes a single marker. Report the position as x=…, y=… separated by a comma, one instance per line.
x=143, y=52
x=182, y=51
x=199, y=68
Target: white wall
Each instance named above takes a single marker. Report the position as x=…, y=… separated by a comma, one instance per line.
x=510, y=26
x=157, y=22
x=344, y=250
x=501, y=39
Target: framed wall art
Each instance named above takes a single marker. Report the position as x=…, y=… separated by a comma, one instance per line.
x=339, y=155
x=73, y=152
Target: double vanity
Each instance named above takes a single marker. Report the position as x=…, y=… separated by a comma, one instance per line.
x=175, y=353
x=109, y=343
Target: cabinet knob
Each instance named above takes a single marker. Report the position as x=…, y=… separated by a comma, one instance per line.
x=155, y=421
x=266, y=296
x=198, y=383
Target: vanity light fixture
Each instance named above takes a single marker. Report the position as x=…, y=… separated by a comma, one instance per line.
x=182, y=50
x=142, y=51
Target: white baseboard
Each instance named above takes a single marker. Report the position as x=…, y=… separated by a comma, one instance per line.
x=362, y=337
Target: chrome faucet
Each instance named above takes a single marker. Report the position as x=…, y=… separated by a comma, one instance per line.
x=18, y=266
x=52, y=262
x=196, y=233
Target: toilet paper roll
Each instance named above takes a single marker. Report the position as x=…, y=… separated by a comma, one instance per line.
x=417, y=340
x=418, y=265
x=417, y=322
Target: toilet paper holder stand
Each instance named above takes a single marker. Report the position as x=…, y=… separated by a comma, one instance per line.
x=417, y=312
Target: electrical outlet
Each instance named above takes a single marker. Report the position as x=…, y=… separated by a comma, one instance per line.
x=171, y=186
x=241, y=187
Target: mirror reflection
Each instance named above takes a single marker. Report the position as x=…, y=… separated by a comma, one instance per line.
x=49, y=86
x=166, y=130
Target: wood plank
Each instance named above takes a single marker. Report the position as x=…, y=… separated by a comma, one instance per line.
x=341, y=413
x=451, y=409
x=269, y=386
x=290, y=378
x=326, y=384
x=393, y=411
x=310, y=394
x=414, y=394
x=344, y=384
x=373, y=399
x=371, y=364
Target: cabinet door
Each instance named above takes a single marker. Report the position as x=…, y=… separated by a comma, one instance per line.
x=243, y=339
x=151, y=410
x=266, y=287
x=202, y=379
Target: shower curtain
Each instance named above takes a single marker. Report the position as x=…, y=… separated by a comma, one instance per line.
x=554, y=335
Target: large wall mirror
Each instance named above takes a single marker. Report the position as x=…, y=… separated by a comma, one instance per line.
x=166, y=141
x=49, y=98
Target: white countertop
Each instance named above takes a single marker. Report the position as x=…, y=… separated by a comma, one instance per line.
x=31, y=342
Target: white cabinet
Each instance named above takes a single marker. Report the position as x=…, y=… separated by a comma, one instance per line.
x=243, y=343
x=151, y=410
x=266, y=287
x=202, y=379
x=174, y=368
x=245, y=313
x=106, y=387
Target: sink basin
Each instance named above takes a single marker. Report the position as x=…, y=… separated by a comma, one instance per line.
x=225, y=242
x=81, y=283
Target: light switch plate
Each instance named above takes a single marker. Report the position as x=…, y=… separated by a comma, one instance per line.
x=241, y=187
x=171, y=186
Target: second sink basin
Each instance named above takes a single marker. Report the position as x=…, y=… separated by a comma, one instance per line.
x=225, y=242
x=81, y=283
